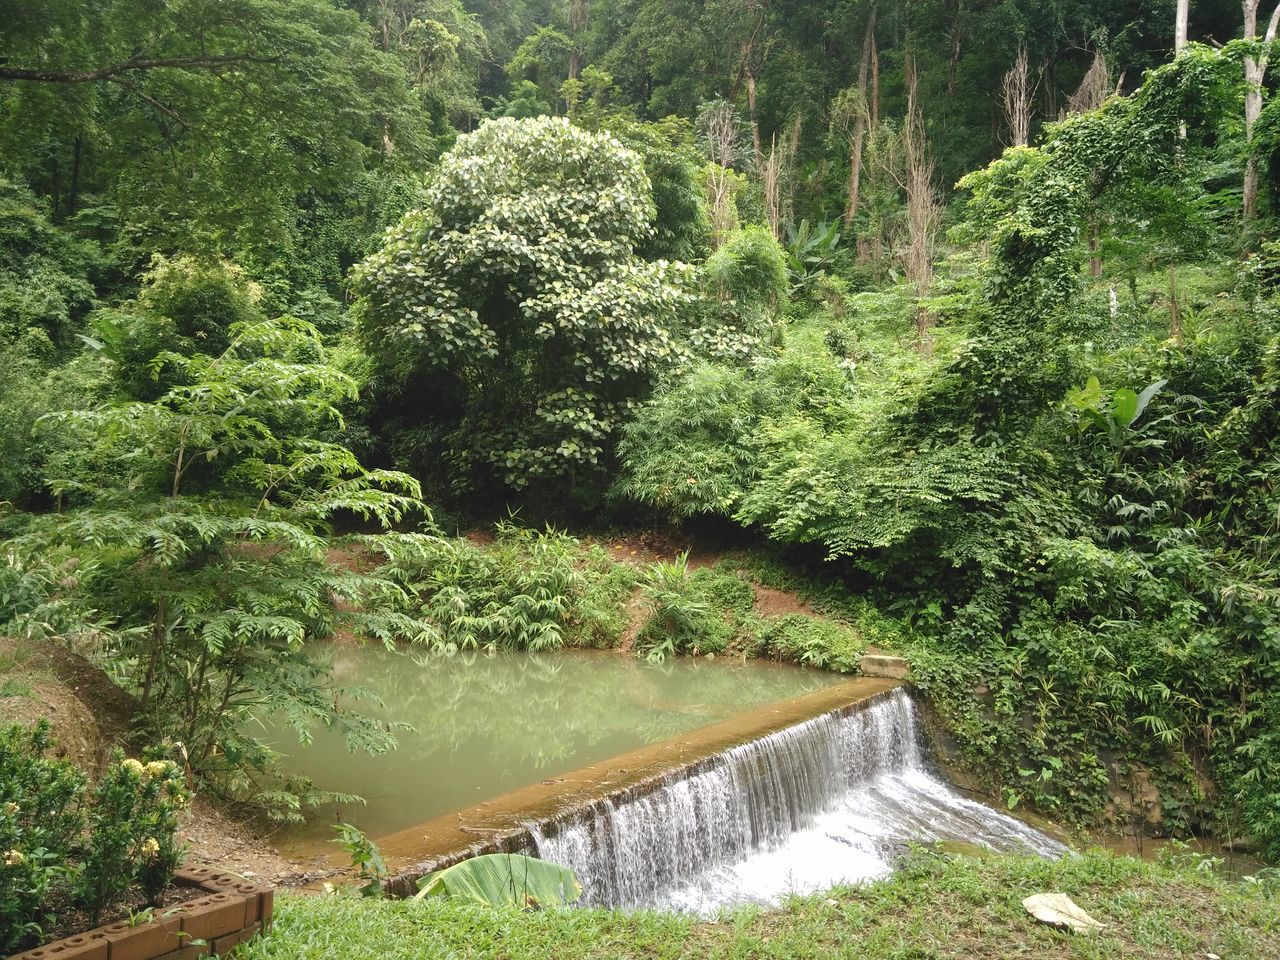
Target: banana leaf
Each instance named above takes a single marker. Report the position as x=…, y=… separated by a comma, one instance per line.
x=504, y=880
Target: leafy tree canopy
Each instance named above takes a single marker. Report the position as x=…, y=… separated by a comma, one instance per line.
x=516, y=298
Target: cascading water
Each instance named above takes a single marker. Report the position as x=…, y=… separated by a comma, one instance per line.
x=827, y=801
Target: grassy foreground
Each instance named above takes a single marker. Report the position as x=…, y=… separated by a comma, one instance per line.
x=935, y=907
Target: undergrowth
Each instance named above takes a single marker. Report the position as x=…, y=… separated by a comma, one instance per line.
x=934, y=906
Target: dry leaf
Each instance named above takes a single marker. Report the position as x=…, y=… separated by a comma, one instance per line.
x=1059, y=910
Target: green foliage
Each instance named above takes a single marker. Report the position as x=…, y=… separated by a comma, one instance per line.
x=504, y=880
x=1125, y=408
x=45, y=274
x=65, y=841
x=543, y=60
x=132, y=828
x=750, y=268
x=40, y=822
x=692, y=612
x=682, y=231
x=812, y=641
x=213, y=594
x=365, y=857
x=210, y=123
x=204, y=299
x=813, y=251
x=529, y=590
x=524, y=252
x=34, y=387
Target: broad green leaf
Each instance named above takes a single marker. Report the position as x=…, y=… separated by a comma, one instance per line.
x=1124, y=407
x=504, y=880
x=1145, y=396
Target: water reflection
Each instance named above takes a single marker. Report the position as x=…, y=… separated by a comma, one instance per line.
x=484, y=724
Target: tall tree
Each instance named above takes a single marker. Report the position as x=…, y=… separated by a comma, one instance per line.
x=858, y=104
x=1255, y=71
x=924, y=210
x=1016, y=98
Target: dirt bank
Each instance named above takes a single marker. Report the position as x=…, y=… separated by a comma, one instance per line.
x=91, y=717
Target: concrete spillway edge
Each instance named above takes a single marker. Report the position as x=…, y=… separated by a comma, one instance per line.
x=502, y=825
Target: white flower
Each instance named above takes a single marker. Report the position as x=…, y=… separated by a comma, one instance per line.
x=14, y=858
x=133, y=766
x=11, y=809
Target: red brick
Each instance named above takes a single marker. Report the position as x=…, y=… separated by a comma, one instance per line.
x=213, y=916
x=89, y=946
x=253, y=905
x=193, y=876
x=145, y=940
x=192, y=952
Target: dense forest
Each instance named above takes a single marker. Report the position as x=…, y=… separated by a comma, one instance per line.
x=962, y=313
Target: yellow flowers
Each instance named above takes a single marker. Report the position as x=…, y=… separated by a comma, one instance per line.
x=14, y=858
x=11, y=809
x=150, y=848
x=133, y=766
x=158, y=768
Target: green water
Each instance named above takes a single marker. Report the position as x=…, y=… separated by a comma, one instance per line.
x=485, y=724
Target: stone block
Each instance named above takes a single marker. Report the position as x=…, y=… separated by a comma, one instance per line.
x=883, y=665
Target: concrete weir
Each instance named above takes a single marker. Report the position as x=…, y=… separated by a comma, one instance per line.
x=505, y=823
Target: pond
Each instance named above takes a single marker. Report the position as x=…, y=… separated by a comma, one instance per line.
x=485, y=724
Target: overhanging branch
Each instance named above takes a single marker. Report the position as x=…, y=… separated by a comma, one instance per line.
x=129, y=66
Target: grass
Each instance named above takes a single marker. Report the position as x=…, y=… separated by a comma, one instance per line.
x=19, y=670
x=936, y=906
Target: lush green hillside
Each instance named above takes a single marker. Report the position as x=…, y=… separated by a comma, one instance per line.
x=961, y=315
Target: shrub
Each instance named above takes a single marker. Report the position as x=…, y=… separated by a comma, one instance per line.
x=63, y=841
x=529, y=590
x=44, y=272
x=750, y=268
x=213, y=597
x=33, y=386
x=203, y=298
x=41, y=817
x=813, y=642
x=700, y=612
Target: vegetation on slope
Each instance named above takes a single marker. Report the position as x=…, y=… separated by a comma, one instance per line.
x=1028, y=424
x=935, y=906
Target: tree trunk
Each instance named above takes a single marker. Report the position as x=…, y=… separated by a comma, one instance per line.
x=1180, y=26
x=755, y=124
x=578, y=15
x=875, y=83
x=1016, y=95
x=1095, y=249
x=1050, y=88
x=923, y=206
x=55, y=187
x=954, y=62
x=860, y=124
x=1255, y=72
x=77, y=157
x=1175, y=317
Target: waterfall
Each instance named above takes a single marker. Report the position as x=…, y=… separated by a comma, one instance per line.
x=827, y=801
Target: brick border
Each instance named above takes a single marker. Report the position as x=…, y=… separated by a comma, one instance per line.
x=231, y=911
